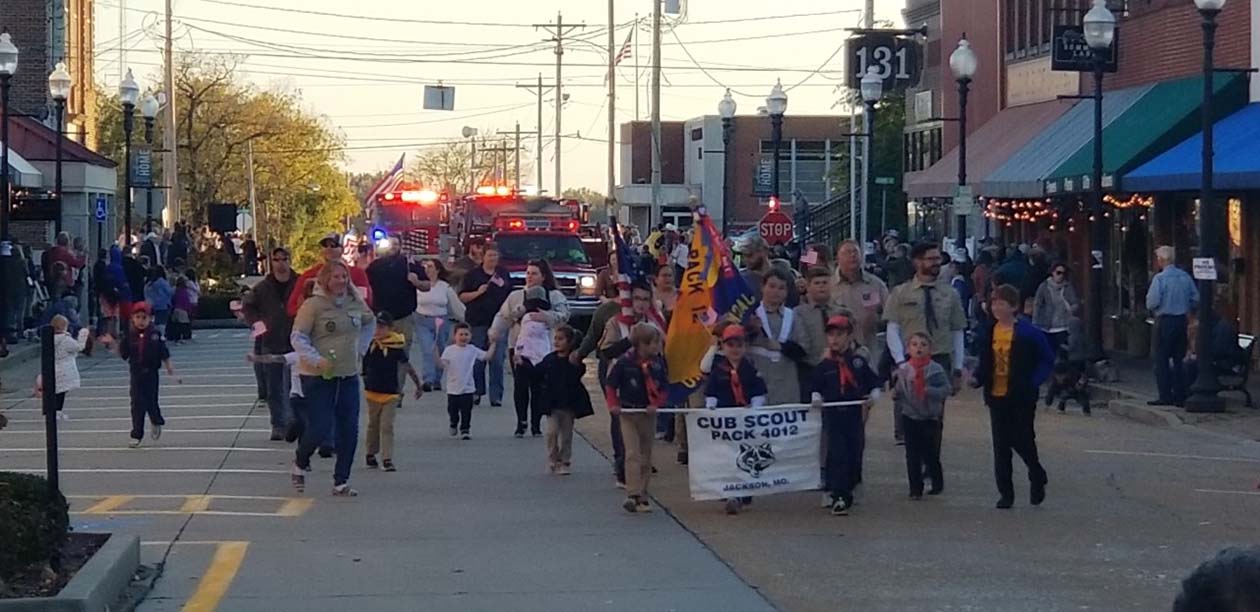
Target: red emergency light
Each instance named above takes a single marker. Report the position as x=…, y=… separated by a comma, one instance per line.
x=516, y=224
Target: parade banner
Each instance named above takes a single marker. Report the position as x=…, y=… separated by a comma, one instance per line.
x=738, y=452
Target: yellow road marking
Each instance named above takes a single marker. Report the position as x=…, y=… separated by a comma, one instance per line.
x=296, y=506
x=108, y=505
x=218, y=577
x=196, y=503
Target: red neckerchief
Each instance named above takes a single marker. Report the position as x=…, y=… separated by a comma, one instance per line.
x=920, y=365
x=847, y=379
x=737, y=386
x=655, y=394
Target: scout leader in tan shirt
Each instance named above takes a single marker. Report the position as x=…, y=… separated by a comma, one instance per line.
x=929, y=305
x=861, y=294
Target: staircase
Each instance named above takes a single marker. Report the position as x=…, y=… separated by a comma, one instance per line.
x=823, y=223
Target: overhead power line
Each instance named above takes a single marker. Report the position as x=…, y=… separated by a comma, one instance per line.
x=392, y=19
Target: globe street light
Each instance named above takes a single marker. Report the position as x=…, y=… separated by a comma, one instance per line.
x=726, y=108
x=963, y=64
x=149, y=109
x=1204, y=391
x=1100, y=31
x=128, y=93
x=872, y=89
x=8, y=66
x=59, y=85
x=776, y=105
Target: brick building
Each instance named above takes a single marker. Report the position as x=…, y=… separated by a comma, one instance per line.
x=46, y=32
x=694, y=164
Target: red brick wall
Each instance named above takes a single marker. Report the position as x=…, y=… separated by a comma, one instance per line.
x=27, y=23
x=639, y=135
x=979, y=20
x=1163, y=39
x=745, y=155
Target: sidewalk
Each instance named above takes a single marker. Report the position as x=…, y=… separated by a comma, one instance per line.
x=1127, y=397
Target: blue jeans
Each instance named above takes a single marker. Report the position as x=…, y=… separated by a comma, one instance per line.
x=1170, y=355
x=331, y=406
x=434, y=333
x=276, y=380
x=481, y=339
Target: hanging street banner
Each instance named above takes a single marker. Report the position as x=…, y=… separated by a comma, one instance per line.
x=738, y=452
x=1070, y=52
x=142, y=167
x=896, y=57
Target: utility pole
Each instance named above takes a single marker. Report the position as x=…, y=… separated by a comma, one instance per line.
x=122, y=38
x=170, y=165
x=558, y=31
x=857, y=230
x=516, y=155
x=656, y=111
x=636, y=67
x=612, y=111
x=542, y=90
x=253, y=197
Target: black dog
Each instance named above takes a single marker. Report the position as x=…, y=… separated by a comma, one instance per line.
x=1068, y=382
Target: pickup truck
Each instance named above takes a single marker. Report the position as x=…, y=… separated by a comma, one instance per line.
x=567, y=256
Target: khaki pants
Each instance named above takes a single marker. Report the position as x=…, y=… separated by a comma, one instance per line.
x=695, y=400
x=560, y=437
x=380, y=430
x=638, y=431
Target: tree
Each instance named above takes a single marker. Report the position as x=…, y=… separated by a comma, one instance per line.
x=300, y=190
x=445, y=167
x=361, y=183
x=584, y=195
x=890, y=121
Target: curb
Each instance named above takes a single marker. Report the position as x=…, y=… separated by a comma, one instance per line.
x=96, y=586
x=1147, y=415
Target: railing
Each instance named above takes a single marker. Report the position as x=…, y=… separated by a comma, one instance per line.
x=823, y=223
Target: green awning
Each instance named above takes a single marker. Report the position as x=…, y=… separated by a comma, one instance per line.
x=1165, y=115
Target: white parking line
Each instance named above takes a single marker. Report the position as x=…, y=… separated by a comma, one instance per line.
x=125, y=407
x=169, y=418
x=150, y=449
x=72, y=397
x=178, y=386
x=1223, y=492
x=123, y=431
x=1173, y=456
x=146, y=471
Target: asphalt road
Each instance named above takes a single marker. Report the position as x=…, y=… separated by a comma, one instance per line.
x=479, y=525
x=474, y=525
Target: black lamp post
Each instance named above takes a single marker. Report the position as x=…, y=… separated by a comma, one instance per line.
x=726, y=108
x=963, y=64
x=149, y=109
x=59, y=84
x=776, y=105
x=128, y=93
x=8, y=66
x=872, y=89
x=1100, y=30
x=1203, y=392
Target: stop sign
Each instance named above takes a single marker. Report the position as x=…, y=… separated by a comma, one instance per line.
x=776, y=228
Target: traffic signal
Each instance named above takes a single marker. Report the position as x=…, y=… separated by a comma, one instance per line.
x=773, y=203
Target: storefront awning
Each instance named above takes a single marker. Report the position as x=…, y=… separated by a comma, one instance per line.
x=22, y=173
x=1236, y=164
x=1024, y=173
x=987, y=149
x=1164, y=116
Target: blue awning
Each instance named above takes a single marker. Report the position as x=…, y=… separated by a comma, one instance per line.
x=1237, y=159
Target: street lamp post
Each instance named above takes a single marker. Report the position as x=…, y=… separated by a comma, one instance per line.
x=128, y=93
x=963, y=64
x=726, y=108
x=1204, y=392
x=149, y=109
x=1100, y=30
x=776, y=105
x=872, y=89
x=59, y=84
x=8, y=66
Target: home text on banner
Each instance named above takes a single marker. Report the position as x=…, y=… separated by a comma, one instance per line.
x=738, y=452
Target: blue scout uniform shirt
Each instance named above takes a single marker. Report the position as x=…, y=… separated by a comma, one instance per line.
x=730, y=386
x=635, y=383
x=845, y=377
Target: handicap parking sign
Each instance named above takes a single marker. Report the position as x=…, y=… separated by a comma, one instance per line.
x=100, y=208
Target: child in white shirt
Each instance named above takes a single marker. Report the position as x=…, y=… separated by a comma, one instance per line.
x=457, y=373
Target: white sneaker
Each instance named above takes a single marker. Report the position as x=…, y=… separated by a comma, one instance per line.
x=63, y=416
x=157, y=432
x=134, y=443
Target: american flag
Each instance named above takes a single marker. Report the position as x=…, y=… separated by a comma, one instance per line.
x=388, y=183
x=623, y=53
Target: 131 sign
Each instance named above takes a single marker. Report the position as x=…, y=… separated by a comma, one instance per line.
x=896, y=59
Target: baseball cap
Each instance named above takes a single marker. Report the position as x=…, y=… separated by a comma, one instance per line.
x=535, y=293
x=384, y=318
x=141, y=307
x=332, y=237
x=839, y=322
x=733, y=332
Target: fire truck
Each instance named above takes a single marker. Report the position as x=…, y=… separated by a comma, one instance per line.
x=415, y=216
x=526, y=228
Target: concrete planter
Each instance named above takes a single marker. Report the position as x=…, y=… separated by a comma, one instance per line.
x=96, y=586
